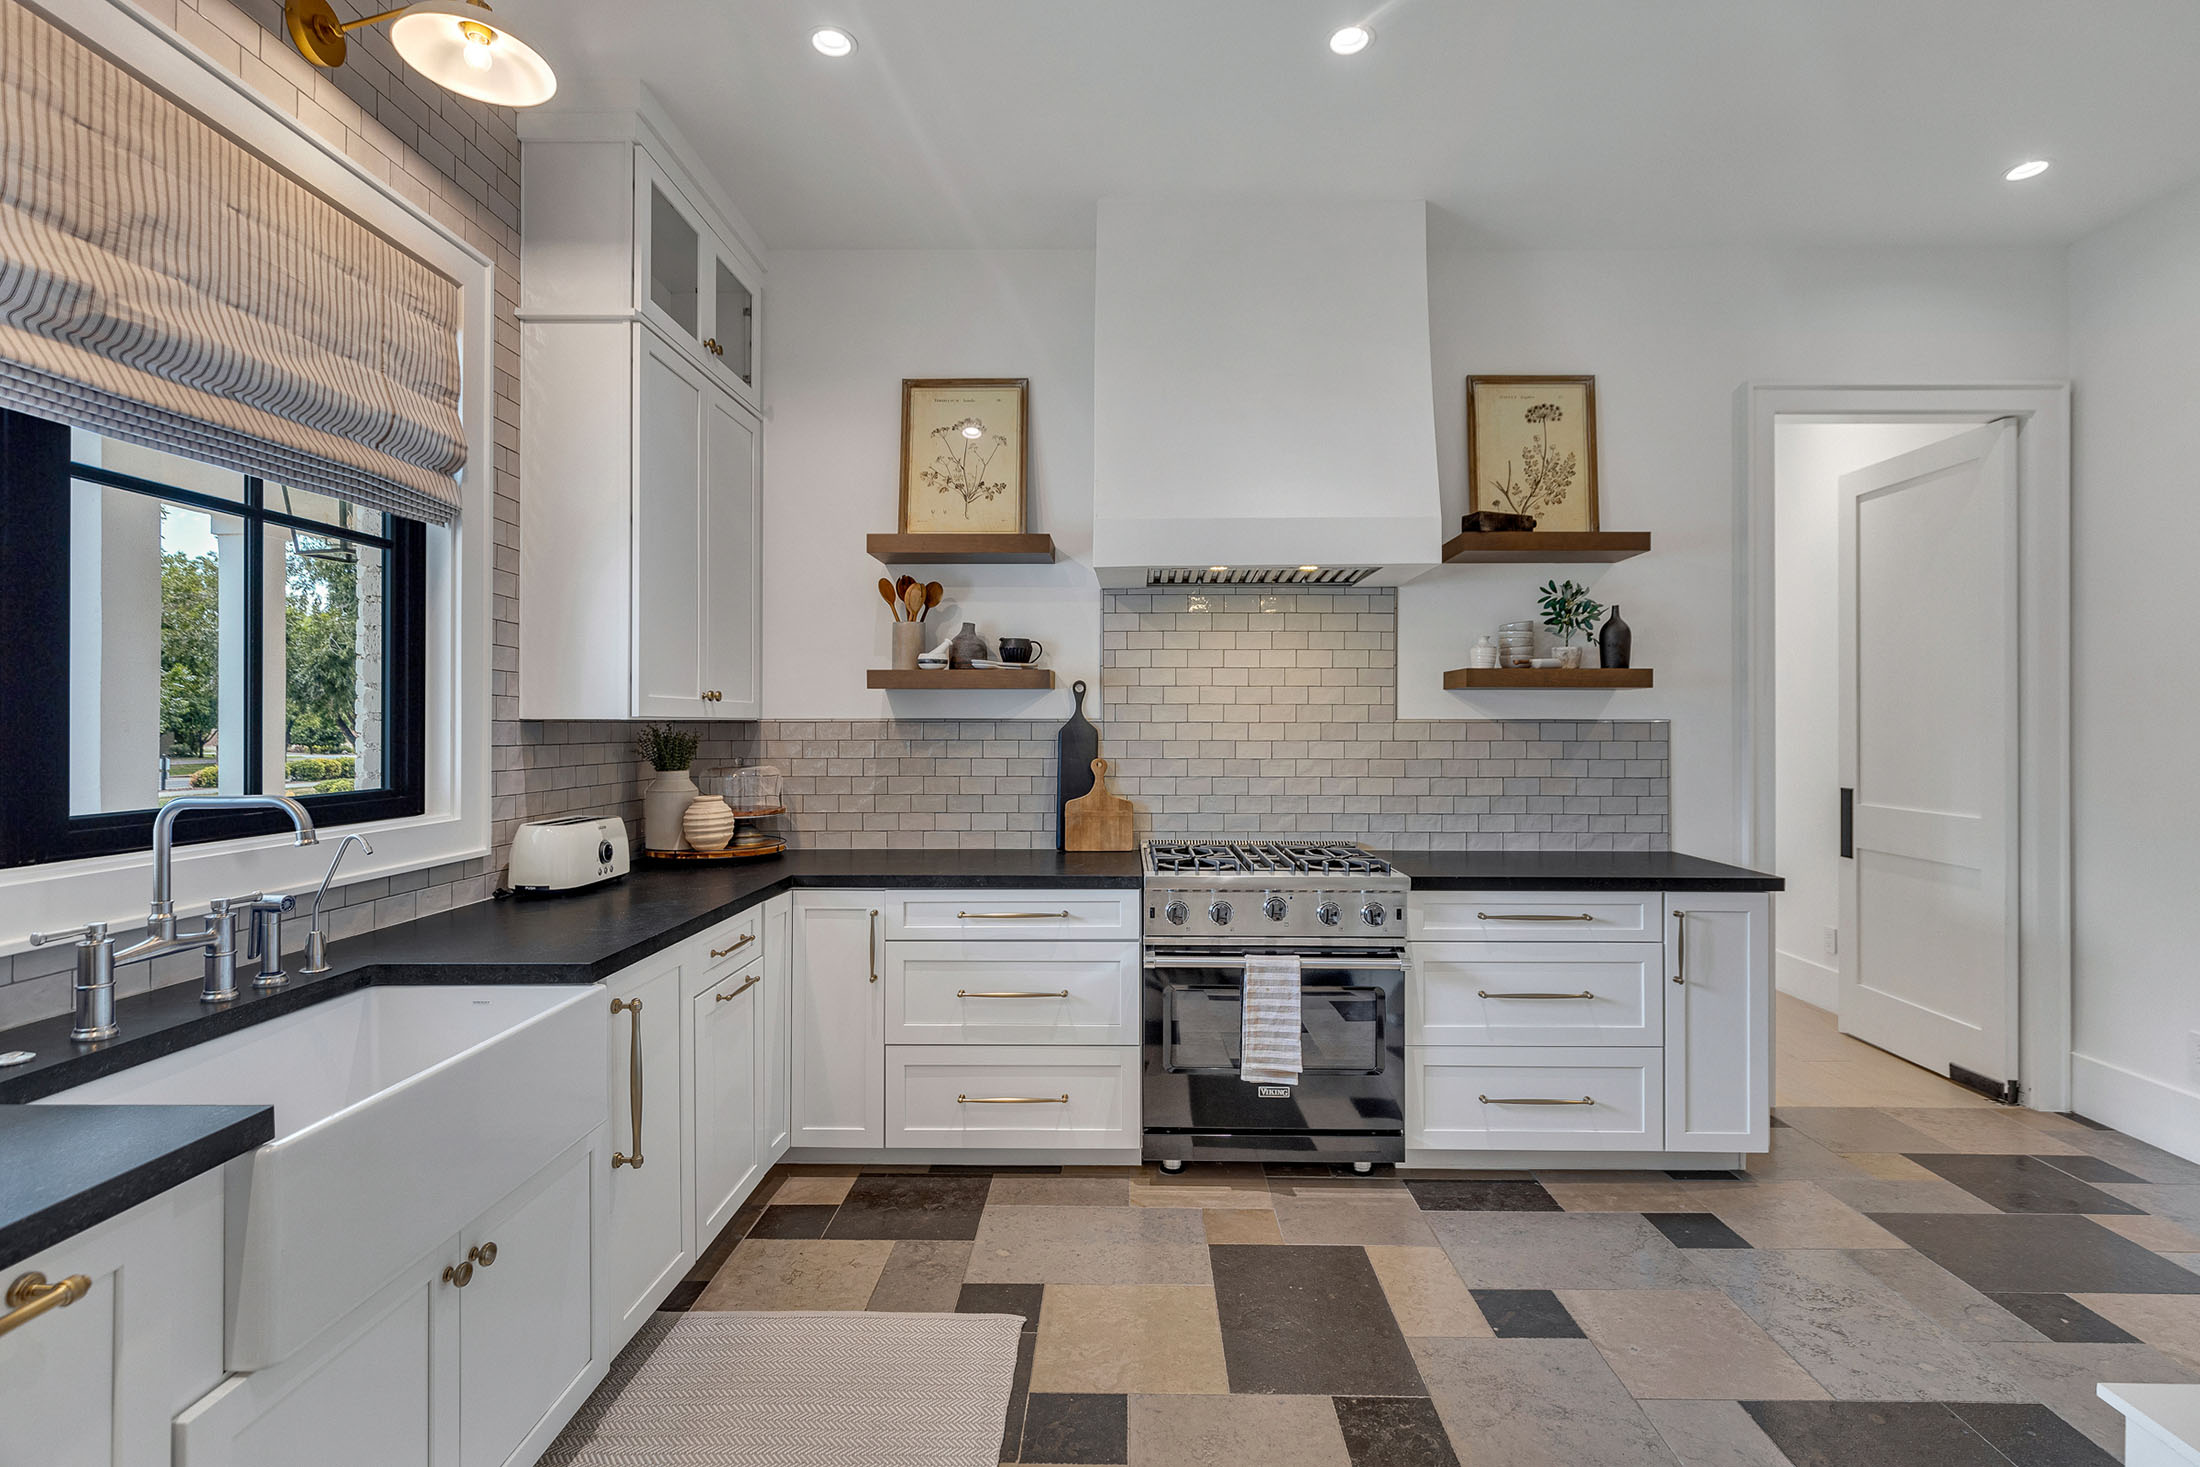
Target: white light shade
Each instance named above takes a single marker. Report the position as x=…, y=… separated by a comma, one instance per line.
x=1351, y=40
x=2023, y=171
x=465, y=49
x=832, y=41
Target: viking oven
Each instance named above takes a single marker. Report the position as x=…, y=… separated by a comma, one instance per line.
x=1208, y=906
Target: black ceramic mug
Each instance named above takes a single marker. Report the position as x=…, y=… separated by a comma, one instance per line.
x=1021, y=649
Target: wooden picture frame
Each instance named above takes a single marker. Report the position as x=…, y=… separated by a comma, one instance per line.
x=954, y=482
x=1518, y=462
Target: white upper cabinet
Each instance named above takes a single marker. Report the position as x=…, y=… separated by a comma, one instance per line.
x=692, y=282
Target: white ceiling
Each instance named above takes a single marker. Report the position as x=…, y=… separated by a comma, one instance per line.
x=1526, y=122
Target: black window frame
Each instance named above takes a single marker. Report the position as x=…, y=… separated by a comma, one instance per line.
x=36, y=827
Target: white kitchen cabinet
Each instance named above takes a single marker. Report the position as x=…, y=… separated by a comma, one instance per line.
x=985, y=915
x=692, y=281
x=1718, y=1021
x=1493, y=1098
x=1002, y=1097
x=1535, y=993
x=96, y=1383
x=727, y=1086
x=1532, y=916
x=648, y=1245
x=839, y=1005
x=1012, y=992
x=775, y=1096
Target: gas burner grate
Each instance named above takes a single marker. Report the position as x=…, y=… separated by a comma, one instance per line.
x=1292, y=857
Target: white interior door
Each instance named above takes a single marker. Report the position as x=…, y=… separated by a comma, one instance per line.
x=1929, y=754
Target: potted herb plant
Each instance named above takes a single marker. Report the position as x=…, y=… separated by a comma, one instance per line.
x=670, y=751
x=1569, y=613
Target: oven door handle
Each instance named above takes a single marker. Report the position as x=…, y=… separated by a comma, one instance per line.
x=1204, y=960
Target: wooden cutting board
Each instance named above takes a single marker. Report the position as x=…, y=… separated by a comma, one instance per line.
x=1075, y=747
x=1099, y=821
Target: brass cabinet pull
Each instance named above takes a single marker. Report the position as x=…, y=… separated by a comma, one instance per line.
x=1532, y=1100
x=1485, y=993
x=710, y=344
x=870, y=926
x=1532, y=917
x=1013, y=916
x=459, y=1275
x=1011, y=993
x=1012, y=1100
x=1680, y=947
x=483, y=1254
x=738, y=943
x=744, y=988
x=30, y=1296
x=633, y=1008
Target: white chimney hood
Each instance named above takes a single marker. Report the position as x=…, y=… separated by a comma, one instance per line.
x=1261, y=390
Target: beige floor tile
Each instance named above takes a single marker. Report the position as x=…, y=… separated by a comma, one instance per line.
x=2160, y=1234
x=1535, y=1403
x=1241, y=1225
x=1153, y=1339
x=1983, y=1132
x=2065, y=1378
x=1090, y=1245
x=2168, y=1322
x=797, y=1273
x=1858, y=1128
x=922, y=1276
x=1930, y=1195
x=1687, y=1344
x=1232, y=1431
x=1351, y=1217
x=1961, y=1311
x=1797, y=1215
x=1713, y=1434
x=1663, y=1195
x=1218, y=1196
x=1795, y=1157
x=1426, y=1294
x=812, y=1191
x=1013, y=1190
x=1888, y=1166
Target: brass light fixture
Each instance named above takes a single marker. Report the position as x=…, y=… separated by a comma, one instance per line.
x=453, y=43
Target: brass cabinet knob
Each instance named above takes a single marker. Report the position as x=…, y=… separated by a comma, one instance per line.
x=459, y=1275
x=483, y=1254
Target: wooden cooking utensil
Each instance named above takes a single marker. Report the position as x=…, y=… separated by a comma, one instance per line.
x=933, y=591
x=913, y=598
x=902, y=585
x=886, y=589
x=1099, y=821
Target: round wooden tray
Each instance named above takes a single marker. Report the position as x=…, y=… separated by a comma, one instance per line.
x=747, y=852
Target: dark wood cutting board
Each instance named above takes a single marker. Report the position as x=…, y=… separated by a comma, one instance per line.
x=1076, y=747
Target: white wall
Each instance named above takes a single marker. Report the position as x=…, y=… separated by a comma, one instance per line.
x=843, y=329
x=1671, y=336
x=1809, y=459
x=2135, y=322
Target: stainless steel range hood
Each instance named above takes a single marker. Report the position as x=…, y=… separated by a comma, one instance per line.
x=1262, y=395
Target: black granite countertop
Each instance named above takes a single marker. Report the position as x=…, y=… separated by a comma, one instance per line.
x=1577, y=871
x=64, y=1168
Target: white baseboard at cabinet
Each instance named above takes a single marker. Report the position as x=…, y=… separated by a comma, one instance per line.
x=2158, y=1113
x=1811, y=981
x=1575, y=1161
x=951, y=1156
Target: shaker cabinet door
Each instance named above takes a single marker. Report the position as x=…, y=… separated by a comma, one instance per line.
x=1718, y=1021
x=648, y=1247
x=725, y=1097
x=733, y=605
x=839, y=1020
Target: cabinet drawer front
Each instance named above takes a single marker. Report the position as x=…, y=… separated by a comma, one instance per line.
x=1534, y=916
x=1481, y=1099
x=1009, y=916
x=1535, y=993
x=1011, y=993
x=726, y=949
x=982, y=1096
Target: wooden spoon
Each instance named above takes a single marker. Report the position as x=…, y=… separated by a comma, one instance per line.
x=901, y=586
x=933, y=591
x=886, y=589
x=914, y=599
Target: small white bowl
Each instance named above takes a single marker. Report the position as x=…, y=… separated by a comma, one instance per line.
x=1543, y=662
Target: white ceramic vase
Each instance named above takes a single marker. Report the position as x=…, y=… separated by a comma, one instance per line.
x=708, y=823
x=664, y=805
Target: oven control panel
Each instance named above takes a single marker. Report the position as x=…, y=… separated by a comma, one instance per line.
x=1281, y=912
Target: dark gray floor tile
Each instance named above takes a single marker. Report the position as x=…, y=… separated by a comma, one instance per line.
x=1080, y=1428
x=1021, y=1299
x=2037, y=1253
x=1479, y=1196
x=2087, y=1121
x=1696, y=1230
x=1878, y=1433
x=906, y=1206
x=1310, y=1321
x=1393, y=1431
x=799, y=1221
x=1526, y=1314
x=2063, y=1319
x=2031, y=1436
x=2022, y=1183
x=2089, y=1169
x=1019, y=1396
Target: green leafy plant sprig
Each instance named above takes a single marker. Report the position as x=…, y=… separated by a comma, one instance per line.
x=1567, y=610
x=665, y=747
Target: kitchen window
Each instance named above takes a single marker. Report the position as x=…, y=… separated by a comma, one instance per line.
x=173, y=626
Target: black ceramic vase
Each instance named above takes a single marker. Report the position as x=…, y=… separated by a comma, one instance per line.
x=1615, y=642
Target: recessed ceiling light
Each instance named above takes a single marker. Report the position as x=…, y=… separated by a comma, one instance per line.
x=1352, y=40
x=2024, y=171
x=832, y=41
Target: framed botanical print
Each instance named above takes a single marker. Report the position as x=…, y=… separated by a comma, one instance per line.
x=965, y=447
x=1532, y=449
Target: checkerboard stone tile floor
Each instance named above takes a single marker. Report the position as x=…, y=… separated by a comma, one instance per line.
x=1909, y=1276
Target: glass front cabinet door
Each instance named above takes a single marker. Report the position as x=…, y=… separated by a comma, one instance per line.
x=695, y=285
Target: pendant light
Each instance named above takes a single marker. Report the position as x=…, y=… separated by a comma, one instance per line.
x=457, y=44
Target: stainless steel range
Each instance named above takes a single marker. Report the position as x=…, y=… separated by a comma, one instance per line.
x=1210, y=904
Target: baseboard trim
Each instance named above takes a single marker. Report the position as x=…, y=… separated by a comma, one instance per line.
x=2154, y=1111
x=1812, y=982
x=1573, y=1161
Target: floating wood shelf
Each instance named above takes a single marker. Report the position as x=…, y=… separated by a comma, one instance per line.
x=961, y=549
x=1460, y=678
x=1545, y=547
x=958, y=679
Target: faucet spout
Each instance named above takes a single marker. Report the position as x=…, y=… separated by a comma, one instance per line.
x=164, y=839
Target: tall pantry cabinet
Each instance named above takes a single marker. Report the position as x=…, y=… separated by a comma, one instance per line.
x=640, y=427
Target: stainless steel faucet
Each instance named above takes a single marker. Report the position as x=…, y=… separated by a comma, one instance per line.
x=97, y=959
x=316, y=937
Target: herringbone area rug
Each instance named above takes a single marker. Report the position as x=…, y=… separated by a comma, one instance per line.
x=801, y=1390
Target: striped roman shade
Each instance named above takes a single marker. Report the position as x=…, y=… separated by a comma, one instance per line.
x=161, y=284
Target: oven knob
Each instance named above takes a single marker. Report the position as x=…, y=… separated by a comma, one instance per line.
x=1274, y=909
x=1327, y=914
x=1219, y=912
x=1373, y=914
x=1176, y=912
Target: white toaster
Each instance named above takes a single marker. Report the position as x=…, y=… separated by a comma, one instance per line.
x=559, y=855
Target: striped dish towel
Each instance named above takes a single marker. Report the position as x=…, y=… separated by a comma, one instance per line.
x=1269, y=1037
